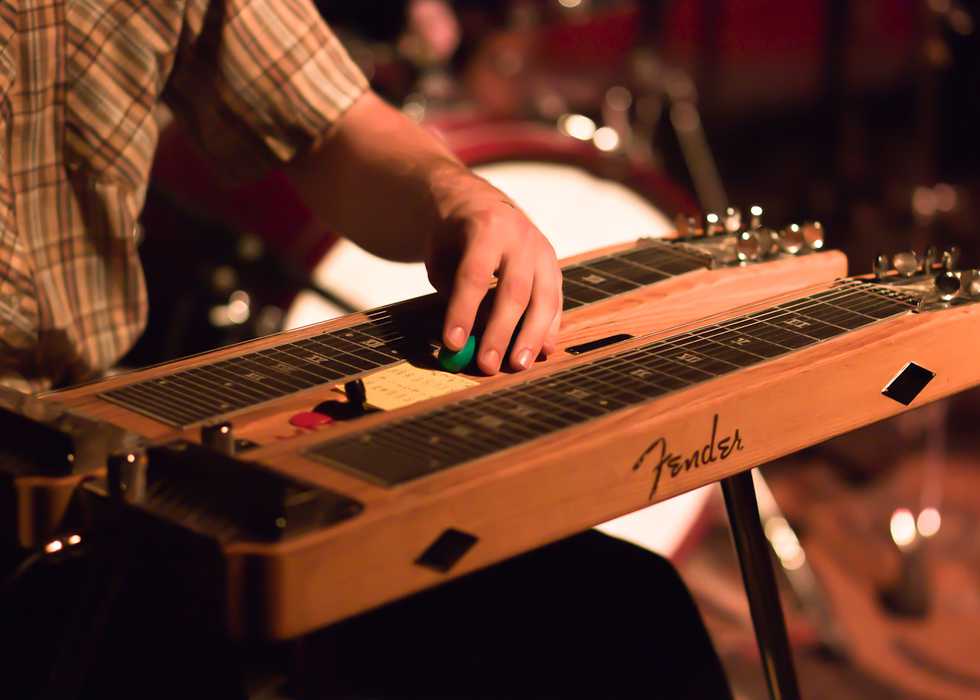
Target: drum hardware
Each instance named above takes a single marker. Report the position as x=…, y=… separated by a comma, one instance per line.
x=796, y=567
x=908, y=595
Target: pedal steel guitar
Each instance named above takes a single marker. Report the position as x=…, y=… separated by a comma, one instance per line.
x=615, y=293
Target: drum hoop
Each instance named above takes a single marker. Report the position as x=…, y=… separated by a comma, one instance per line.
x=487, y=142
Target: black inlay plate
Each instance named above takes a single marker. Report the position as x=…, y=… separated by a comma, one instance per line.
x=908, y=383
x=447, y=550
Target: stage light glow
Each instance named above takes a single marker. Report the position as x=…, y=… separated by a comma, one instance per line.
x=619, y=98
x=74, y=539
x=945, y=197
x=606, y=139
x=578, y=126
x=785, y=543
x=902, y=528
x=924, y=201
x=53, y=546
x=928, y=522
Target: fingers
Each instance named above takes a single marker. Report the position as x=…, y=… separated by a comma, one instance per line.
x=542, y=319
x=470, y=284
x=517, y=279
x=551, y=341
x=502, y=242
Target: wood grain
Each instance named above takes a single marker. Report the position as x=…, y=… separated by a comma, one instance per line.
x=571, y=480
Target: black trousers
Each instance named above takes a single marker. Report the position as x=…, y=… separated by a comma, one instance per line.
x=589, y=616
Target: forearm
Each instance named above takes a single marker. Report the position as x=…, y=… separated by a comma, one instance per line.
x=378, y=179
x=391, y=187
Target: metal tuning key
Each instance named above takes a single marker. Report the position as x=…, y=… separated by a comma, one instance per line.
x=970, y=283
x=769, y=240
x=906, y=263
x=732, y=220
x=931, y=258
x=755, y=221
x=951, y=258
x=713, y=225
x=947, y=285
x=881, y=266
x=750, y=247
x=791, y=239
x=813, y=234
x=688, y=226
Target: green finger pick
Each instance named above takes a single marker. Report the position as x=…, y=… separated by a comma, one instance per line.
x=457, y=361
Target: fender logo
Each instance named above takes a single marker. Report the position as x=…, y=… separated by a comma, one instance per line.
x=715, y=450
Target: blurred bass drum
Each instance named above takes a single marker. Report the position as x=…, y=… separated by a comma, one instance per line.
x=581, y=199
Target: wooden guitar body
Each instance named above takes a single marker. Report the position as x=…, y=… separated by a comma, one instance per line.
x=701, y=284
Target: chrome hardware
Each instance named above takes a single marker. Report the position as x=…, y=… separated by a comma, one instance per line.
x=791, y=239
x=951, y=259
x=732, y=220
x=906, y=263
x=750, y=246
x=688, y=226
x=756, y=216
x=931, y=258
x=881, y=266
x=219, y=437
x=970, y=283
x=713, y=224
x=813, y=234
x=947, y=284
x=769, y=240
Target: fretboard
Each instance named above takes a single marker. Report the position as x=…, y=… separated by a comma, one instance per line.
x=414, y=447
x=210, y=390
x=206, y=391
x=602, y=278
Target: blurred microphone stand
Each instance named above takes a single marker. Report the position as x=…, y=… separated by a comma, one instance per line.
x=663, y=87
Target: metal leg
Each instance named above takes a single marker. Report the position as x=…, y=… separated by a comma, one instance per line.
x=760, y=586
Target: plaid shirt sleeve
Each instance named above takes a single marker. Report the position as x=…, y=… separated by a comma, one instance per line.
x=259, y=81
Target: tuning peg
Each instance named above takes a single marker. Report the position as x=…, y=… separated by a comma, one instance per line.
x=881, y=266
x=791, y=239
x=713, y=224
x=688, y=226
x=756, y=216
x=930, y=259
x=951, y=259
x=732, y=220
x=906, y=263
x=750, y=247
x=947, y=284
x=813, y=234
x=770, y=236
x=970, y=283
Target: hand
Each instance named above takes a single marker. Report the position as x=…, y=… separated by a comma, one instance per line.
x=484, y=235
